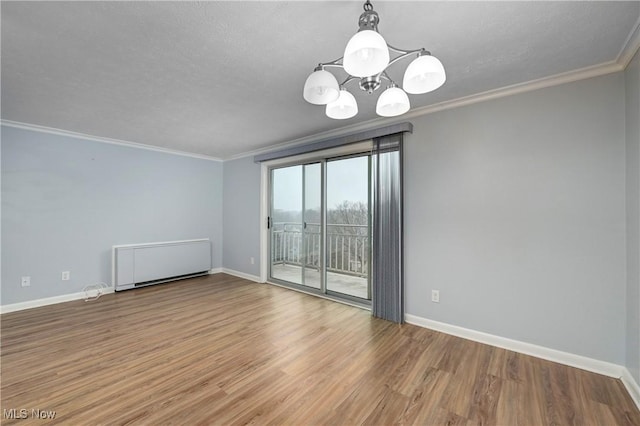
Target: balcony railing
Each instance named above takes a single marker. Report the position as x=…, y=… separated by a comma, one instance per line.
x=347, y=247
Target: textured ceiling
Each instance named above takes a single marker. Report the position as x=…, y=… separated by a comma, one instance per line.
x=225, y=78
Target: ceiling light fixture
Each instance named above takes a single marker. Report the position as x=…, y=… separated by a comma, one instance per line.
x=366, y=58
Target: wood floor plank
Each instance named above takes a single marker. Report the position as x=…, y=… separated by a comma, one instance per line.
x=443, y=417
x=388, y=410
x=484, y=404
x=509, y=407
x=222, y=350
x=424, y=402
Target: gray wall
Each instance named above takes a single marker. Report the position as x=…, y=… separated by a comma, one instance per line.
x=242, y=215
x=515, y=211
x=632, y=89
x=66, y=201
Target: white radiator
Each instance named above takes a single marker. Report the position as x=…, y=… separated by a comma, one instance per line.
x=136, y=265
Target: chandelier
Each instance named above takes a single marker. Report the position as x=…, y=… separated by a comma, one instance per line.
x=366, y=59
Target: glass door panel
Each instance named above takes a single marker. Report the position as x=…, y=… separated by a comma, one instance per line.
x=295, y=224
x=286, y=224
x=347, y=236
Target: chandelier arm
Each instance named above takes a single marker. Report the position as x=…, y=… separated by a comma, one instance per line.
x=399, y=58
x=336, y=63
x=403, y=51
x=384, y=75
x=349, y=79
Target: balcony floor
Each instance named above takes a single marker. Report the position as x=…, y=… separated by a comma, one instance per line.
x=341, y=283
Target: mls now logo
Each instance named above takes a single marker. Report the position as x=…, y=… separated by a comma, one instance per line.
x=43, y=414
x=15, y=413
x=23, y=413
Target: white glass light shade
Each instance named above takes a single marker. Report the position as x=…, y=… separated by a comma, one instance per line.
x=343, y=108
x=423, y=75
x=366, y=54
x=393, y=101
x=321, y=88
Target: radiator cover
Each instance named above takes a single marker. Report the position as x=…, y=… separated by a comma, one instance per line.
x=136, y=265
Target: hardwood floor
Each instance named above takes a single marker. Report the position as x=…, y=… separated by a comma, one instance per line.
x=222, y=350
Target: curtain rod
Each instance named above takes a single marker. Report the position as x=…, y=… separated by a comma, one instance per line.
x=335, y=141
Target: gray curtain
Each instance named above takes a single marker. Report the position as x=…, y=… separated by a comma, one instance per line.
x=386, y=253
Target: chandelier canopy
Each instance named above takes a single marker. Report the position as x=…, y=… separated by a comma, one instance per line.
x=366, y=59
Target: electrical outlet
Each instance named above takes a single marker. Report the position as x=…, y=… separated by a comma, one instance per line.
x=253, y=261
x=435, y=296
x=25, y=282
x=66, y=275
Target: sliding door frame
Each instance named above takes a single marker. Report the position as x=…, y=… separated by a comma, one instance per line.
x=333, y=293
x=303, y=226
x=364, y=147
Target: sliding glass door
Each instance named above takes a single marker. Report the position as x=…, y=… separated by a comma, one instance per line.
x=295, y=224
x=348, y=226
x=319, y=227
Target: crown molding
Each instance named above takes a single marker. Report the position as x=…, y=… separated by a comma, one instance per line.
x=515, y=89
x=630, y=46
x=76, y=135
x=554, y=80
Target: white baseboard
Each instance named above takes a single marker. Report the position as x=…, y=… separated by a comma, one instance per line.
x=578, y=361
x=46, y=301
x=241, y=275
x=566, y=358
x=81, y=295
x=632, y=386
